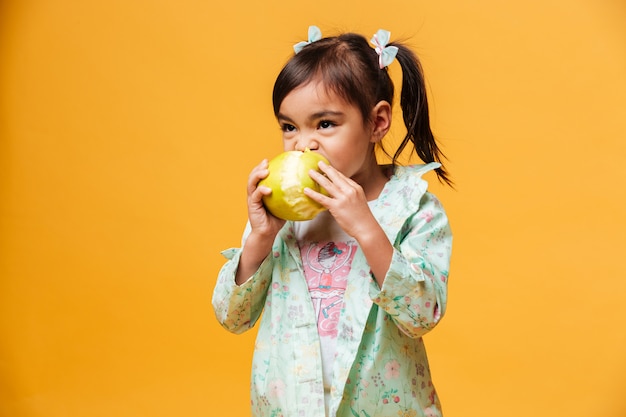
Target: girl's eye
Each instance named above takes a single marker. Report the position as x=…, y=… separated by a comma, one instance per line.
x=286, y=127
x=325, y=124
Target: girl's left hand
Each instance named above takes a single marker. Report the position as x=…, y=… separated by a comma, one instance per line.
x=346, y=201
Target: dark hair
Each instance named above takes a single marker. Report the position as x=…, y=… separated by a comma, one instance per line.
x=348, y=66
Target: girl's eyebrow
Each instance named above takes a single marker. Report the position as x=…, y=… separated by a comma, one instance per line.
x=325, y=113
x=315, y=116
x=281, y=116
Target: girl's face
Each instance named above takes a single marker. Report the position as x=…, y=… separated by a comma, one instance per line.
x=311, y=117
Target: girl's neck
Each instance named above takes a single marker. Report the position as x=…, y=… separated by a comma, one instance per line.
x=373, y=181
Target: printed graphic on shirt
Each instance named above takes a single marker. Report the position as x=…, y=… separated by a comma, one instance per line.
x=326, y=269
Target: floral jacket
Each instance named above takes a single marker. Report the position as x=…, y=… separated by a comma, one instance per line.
x=381, y=368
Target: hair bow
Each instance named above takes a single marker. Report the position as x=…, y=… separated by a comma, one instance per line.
x=386, y=54
x=315, y=34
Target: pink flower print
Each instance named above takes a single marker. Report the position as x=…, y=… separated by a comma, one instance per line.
x=432, y=395
x=427, y=215
x=392, y=369
x=276, y=388
x=431, y=412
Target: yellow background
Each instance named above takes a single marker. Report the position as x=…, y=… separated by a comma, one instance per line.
x=127, y=130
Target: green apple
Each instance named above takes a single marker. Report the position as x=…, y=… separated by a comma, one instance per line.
x=289, y=175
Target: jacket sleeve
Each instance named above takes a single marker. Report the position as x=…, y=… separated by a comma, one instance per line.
x=414, y=292
x=238, y=307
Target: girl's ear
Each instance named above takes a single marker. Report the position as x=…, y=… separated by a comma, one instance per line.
x=381, y=120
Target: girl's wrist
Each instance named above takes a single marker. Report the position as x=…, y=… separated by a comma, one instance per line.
x=253, y=254
x=257, y=247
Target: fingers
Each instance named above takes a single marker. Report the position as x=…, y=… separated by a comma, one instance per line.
x=332, y=180
x=257, y=174
x=320, y=198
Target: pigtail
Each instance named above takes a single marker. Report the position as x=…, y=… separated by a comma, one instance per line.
x=414, y=104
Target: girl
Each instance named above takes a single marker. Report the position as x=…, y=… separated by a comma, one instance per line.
x=348, y=295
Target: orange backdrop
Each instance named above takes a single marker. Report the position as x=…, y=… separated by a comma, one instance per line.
x=127, y=130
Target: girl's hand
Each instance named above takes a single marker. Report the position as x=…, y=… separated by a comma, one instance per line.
x=261, y=221
x=346, y=201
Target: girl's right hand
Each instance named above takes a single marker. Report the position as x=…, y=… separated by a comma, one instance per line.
x=262, y=222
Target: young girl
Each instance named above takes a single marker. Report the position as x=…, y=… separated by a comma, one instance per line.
x=348, y=295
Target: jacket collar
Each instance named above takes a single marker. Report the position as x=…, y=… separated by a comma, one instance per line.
x=401, y=198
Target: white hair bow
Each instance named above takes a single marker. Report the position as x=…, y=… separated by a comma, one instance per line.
x=315, y=34
x=386, y=54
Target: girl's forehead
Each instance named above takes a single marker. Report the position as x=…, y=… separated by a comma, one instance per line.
x=316, y=91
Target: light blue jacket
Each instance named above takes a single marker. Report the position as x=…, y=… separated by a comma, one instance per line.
x=381, y=368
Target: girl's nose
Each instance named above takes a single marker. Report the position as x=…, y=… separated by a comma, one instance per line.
x=306, y=141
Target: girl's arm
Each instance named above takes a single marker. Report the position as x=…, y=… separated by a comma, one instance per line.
x=375, y=245
x=244, y=280
x=263, y=226
x=347, y=204
x=253, y=253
